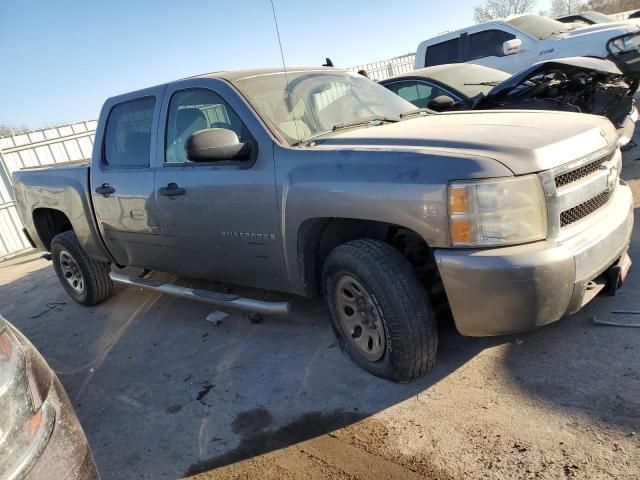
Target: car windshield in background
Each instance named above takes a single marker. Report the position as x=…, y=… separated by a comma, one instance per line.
x=305, y=104
x=539, y=27
x=597, y=17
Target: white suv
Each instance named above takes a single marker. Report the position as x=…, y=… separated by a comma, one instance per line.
x=516, y=43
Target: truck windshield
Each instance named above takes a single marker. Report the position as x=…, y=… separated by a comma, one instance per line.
x=539, y=27
x=305, y=104
x=597, y=17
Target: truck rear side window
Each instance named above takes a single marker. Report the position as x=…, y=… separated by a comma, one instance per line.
x=127, y=140
x=441, y=53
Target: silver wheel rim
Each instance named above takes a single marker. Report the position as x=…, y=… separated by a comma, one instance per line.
x=359, y=318
x=71, y=272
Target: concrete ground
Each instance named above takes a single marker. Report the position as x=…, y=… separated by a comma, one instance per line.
x=163, y=393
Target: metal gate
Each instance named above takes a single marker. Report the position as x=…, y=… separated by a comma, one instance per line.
x=64, y=144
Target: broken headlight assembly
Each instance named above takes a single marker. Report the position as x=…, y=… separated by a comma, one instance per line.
x=497, y=212
x=26, y=418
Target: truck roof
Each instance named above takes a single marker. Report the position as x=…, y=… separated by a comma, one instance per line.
x=456, y=33
x=234, y=75
x=230, y=76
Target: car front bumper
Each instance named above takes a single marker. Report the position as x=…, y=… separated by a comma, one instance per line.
x=63, y=452
x=67, y=455
x=512, y=289
x=626, y=131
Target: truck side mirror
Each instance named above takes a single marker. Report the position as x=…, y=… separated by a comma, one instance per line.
x=216, y=145
x=511, y=46
x=441, y=103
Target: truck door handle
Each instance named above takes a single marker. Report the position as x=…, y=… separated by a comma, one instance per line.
x=172, y=190
x=105, y=189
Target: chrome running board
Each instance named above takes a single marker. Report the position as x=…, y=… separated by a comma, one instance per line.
x=207, y=296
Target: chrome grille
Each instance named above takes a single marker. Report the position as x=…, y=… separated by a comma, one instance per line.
x=584, y=209
x=580, y=188
x=581, y=172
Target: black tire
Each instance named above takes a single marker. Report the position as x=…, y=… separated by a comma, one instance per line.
x=401, y=302
x=97, y=286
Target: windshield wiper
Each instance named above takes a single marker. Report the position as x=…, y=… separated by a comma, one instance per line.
x=364, y=121
x=493, y=83
x=356, y=123
x=417, y=111
x=555, y=33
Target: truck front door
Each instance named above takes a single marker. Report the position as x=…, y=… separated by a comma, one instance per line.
x=122, y=181
x=218, y=220
x=486, y=48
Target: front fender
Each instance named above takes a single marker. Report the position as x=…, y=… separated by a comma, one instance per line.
x=403, y=187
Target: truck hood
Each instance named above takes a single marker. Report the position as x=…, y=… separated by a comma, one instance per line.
x=587, y=41
x=524, y=141
x=615, y=28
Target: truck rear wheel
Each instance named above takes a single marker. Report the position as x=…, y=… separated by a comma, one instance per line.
x=85, y=280
x=379, y=310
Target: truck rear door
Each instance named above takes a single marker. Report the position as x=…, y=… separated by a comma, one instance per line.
x=122, y=180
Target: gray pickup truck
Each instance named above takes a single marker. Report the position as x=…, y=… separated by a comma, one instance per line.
x=319, y=181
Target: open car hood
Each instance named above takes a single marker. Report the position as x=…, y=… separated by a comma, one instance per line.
x=624, y=50
x=589, y=64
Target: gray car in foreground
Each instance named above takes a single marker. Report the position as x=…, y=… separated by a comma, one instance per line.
x=40, y=436
x=320, y=181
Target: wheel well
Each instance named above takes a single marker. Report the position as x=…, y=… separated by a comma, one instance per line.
x=49, y=223
x=317, y=237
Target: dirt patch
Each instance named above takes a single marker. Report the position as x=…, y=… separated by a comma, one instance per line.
x=337, y=445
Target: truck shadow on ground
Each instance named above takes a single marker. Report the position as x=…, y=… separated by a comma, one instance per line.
x=161, y=391
x=582, y=367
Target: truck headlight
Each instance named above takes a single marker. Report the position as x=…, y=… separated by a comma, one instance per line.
x=502, y=211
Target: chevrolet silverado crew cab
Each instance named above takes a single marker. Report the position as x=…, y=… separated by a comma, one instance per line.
x=513, y=44
x=319, y=181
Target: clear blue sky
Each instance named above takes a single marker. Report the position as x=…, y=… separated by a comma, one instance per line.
x=59, y=59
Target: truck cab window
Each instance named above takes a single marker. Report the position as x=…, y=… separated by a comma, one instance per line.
x=441, y=53
x=128, y=134
x=196, y=109
x=487, y=44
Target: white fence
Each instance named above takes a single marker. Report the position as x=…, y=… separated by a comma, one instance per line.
x=622, y=15
x=64, y=144
x=388, y=68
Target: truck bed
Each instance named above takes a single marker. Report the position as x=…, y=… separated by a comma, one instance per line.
x=63, y=192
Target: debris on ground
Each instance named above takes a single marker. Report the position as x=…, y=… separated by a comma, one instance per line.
x=50, y=306
x=217, y=317
x=204, y=392
x=615, y=324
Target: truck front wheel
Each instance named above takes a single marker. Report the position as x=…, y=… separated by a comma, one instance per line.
x=85, y=280
x=379, y=310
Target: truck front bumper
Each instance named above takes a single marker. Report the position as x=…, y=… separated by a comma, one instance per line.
x=513, y=289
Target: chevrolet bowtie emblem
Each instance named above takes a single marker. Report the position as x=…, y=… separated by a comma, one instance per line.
x=612, y=178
